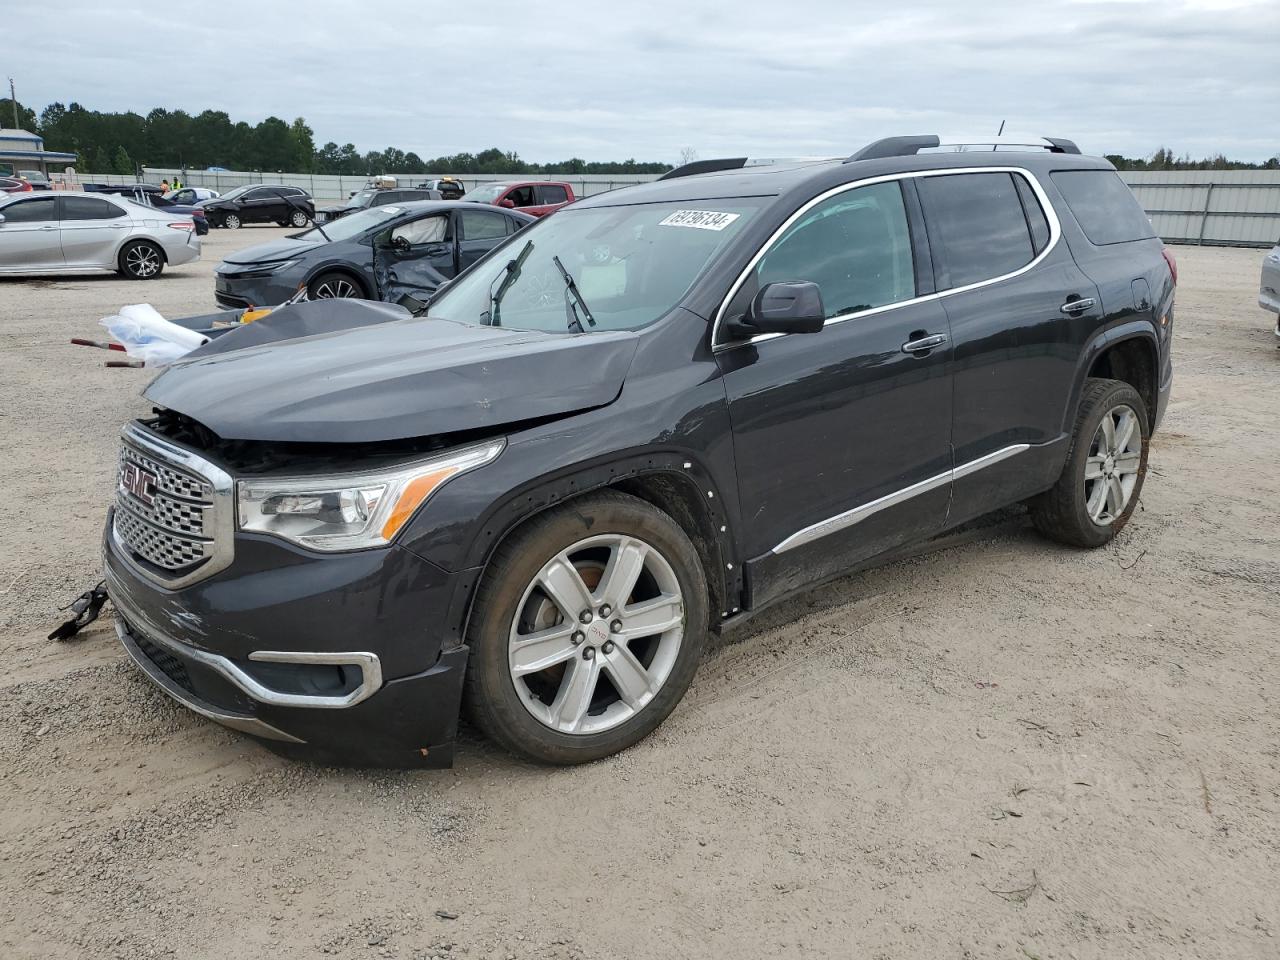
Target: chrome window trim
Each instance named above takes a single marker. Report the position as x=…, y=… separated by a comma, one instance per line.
x=221, y=536
x=1051, y=215
x=842, y=521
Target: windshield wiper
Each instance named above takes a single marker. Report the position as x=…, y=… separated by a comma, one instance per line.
x=510, y=274
x=572, y=294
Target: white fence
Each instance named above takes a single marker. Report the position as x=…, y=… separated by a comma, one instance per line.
x=1221, y=207
x=329, y=187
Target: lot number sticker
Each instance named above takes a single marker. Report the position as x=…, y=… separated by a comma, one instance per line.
x=700, y=219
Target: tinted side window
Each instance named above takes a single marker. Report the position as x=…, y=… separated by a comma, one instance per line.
x=522, y=196
x=855, y=246
x=482, y=225
x=976, y=222
x=554, y=193
x=1103, y=205
x=89, y=208
x=390, y=196
x=30, y=211
x=1036, y=220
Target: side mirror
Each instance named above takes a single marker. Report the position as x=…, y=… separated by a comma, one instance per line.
x=1, y=219
x=794, y=307
x=508, y=203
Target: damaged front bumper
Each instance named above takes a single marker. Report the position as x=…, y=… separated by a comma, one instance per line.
x=265, y=647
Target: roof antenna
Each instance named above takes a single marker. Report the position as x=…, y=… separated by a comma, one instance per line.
x=1001, y=130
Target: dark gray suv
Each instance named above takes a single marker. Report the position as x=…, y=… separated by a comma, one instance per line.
x=649, y=415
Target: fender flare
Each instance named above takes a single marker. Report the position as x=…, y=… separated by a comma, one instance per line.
x=551, y=490
x=1101, y=342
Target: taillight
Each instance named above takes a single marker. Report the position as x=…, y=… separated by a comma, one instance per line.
x=1173, y=264
x=182, y=225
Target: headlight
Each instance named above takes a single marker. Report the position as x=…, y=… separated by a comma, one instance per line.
x=250, y=270
x=351, y=511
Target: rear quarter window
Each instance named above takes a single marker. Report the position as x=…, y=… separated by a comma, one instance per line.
x=1103, y=205
x=977, y=222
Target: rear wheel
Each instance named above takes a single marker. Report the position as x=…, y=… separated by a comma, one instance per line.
x=141, y=260
x=334, y=286
x=1099, y=487
x=588, y=627
x=231, y=221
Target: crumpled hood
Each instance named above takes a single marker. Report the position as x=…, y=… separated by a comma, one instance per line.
x=308, y=373
x=281, y=249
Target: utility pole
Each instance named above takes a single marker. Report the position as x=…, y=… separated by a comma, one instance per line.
x=13, y=98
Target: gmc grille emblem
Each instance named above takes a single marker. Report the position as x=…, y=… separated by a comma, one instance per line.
x=140, y=483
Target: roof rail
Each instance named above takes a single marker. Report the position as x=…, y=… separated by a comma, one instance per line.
x=704, y=166
x=908, y=146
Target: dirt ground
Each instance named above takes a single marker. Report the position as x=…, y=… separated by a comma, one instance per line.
x=1003, y=749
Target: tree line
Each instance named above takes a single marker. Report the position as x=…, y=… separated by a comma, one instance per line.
x=1164, y=159
x=122, y=142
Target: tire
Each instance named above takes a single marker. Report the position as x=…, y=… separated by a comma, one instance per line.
x=1081, y=508
x=231, y=221
x=527, y=702
x=335, y=285
x=141, y=260
x=298, y=219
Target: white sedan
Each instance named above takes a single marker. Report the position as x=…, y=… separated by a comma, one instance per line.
x=191, y=195
x=64, y=232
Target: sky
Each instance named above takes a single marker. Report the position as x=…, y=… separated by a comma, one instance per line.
x=646, y=80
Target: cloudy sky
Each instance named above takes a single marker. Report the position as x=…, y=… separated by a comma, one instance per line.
x=614, y=80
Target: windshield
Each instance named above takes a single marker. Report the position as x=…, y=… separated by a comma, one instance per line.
x=630, y=265
x=353, y=224
x=232, y=194
x=487, y=193
x=361, y=199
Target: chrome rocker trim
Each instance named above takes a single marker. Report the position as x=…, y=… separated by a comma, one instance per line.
x=847, y=519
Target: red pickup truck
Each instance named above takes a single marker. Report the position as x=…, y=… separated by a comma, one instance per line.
x=536, y=197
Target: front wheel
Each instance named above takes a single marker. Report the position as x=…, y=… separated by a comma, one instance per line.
x=588, y=627
x=231, y=221
x=334, y=286
x=1098, y=490
x=298, y=218
x=141, y=260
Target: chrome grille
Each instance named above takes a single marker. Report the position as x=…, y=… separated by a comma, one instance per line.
x=175, y=531
x=169, y=480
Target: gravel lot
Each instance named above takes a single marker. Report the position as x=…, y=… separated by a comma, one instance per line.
x=1004, y=748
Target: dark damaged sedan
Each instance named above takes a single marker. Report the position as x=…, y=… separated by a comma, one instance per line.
x=651, y=414
x=382, y=253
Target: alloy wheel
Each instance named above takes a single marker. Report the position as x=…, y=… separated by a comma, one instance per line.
x=335, y=289
x=1111, y=470
x=231, y=221
x=142, y=260
x=299, y=218
x=596, y=634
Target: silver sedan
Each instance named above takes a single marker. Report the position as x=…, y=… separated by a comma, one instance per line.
x=1269, y=292
x=65, y=232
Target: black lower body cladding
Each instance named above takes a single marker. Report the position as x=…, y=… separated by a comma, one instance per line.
x=202, y=644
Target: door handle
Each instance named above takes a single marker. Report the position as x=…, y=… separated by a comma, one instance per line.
x=1078, y=306
x=48, y=226
x=924, y=344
